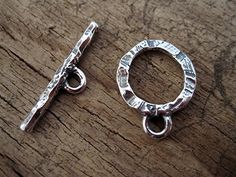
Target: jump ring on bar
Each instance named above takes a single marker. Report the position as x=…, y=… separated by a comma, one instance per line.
x=82, y=84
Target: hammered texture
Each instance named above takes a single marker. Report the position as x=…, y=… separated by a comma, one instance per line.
x=152, y=109
x=59, y=79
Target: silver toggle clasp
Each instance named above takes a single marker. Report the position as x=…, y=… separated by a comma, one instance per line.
x=59, y=80
x=150, y=110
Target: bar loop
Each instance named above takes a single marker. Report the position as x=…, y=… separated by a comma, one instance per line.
x=80, y=87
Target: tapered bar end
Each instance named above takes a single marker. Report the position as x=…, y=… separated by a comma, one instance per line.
x=93, y=23
x=24, y=127
x=28, y=124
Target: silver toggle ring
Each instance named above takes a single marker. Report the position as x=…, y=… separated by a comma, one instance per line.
x=150, y=109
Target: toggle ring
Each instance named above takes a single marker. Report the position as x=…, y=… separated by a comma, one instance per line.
x=150, y=109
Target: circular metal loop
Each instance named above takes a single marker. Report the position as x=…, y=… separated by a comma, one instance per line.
x=161, y=134
x=150, y=108
x=82, y=84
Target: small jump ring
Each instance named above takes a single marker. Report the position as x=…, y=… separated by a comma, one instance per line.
x=82, y=84
x=161, y=134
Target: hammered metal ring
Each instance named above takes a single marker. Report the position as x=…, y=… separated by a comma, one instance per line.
x=150, y=109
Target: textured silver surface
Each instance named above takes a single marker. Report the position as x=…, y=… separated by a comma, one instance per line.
x=59, y=80
x=150, y=109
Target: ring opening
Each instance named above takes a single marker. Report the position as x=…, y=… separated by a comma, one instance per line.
x=156, y=123
x=154, y=75
x=73, y=80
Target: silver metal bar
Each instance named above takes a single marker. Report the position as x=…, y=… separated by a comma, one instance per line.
x=59, y=79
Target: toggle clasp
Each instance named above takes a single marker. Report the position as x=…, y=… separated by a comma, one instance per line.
x=150, y=109
x=59, y=79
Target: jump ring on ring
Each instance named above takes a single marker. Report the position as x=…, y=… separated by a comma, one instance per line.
x=161, y=134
